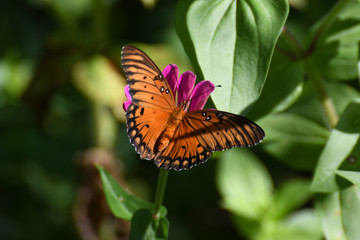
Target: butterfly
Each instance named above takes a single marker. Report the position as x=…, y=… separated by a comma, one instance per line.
x=168, y=133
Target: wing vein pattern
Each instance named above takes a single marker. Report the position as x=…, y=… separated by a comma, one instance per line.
x=148, y=86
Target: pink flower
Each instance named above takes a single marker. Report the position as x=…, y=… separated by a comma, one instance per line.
x=185, y=85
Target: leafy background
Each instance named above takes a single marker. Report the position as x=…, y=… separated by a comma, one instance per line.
x=61, y=94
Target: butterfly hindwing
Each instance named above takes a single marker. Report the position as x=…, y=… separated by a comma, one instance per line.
x=148, y=86
x=205, y=131
x=219, y=130
x=144, y=126
x=183, y=152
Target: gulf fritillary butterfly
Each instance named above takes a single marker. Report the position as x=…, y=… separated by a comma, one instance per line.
x=170, y=135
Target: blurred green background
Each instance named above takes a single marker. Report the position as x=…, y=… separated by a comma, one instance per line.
x=61, y=94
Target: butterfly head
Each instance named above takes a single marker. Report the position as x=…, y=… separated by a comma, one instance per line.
x=185, y=105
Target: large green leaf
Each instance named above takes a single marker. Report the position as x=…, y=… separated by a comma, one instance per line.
x=233, y=42
x=122, y=204
x=336, y=54
x=244, y=183
x=340, y=144
x=283, y=86
x=294, y=140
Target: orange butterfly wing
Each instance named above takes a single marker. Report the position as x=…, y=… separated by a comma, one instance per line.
x=153, y=101
x=205, y=131
x=148, y=86
x=144, y=127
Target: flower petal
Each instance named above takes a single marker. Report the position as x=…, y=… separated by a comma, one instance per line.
x=171, y=73
x=127, y=92
x=201, y=94
x=126, y=105
x=186, y=86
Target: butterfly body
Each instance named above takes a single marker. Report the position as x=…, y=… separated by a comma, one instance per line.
x=173, y=123
x=175, y=137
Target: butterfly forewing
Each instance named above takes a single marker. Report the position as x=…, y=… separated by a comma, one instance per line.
x=148, y=86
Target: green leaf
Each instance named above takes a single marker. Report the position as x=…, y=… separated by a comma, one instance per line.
x=340, y=213
x=246, y=226
x=284, y=201
x=351, y=176
x=294, y=140
x=328, y=208
x=141, y=225
x=233, y=43
x=144, y=226
x=122, y=204
x=162, y=228
x=336, y=54
x=300, y=225
x=303, y=224
x=350, y=211
x=283, y=86
x=244, y=183
x=340, y=144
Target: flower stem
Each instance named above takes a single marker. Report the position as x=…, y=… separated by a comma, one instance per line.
x=323, y=96
x=315, y=77
x=160, y=190
x=333, y=13
x=299, y=49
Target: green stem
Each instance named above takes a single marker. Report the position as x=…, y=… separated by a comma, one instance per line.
x=293, y=41
x=160, y=190
x=314, y=75
x=323, y=96
x=333, y=13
